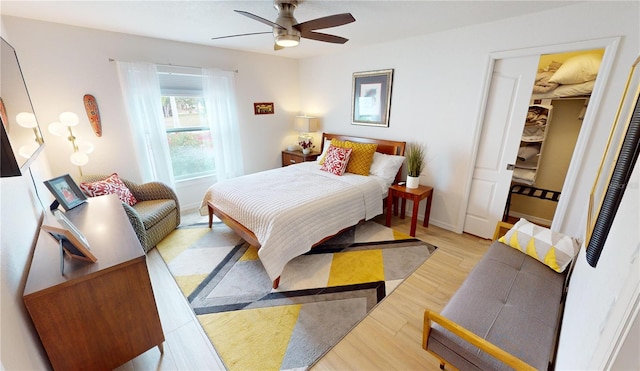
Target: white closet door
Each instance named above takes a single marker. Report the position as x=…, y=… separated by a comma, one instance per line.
x=504, y=119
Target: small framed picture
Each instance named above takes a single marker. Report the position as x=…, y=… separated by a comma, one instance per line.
x=66, y=191
x=263, y=108
x=371, y=98
x=74, y=243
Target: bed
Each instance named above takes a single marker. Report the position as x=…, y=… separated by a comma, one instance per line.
x=284, y=212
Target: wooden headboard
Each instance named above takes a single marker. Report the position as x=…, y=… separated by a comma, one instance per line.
x=388, y=147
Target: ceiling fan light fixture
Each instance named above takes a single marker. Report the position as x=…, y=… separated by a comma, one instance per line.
x=287, y=41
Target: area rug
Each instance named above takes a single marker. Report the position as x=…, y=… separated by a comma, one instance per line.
x=322, y=294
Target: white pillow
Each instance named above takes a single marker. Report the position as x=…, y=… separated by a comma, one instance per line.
x=327, y=144
x=553, y=249
x=577, y=70
x=386, y=166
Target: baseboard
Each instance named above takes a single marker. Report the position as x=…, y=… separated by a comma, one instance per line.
x=531, y=218
x=189, y=208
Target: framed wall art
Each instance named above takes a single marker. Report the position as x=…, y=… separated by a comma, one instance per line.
x=263, y=108
x=371, y=98
x=609, y=186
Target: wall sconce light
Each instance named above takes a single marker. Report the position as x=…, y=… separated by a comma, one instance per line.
x=28, y=120
x=81, y=149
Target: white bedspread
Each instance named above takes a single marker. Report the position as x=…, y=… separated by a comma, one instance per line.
x=291, y=208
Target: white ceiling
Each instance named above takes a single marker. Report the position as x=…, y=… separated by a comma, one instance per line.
x=198, y=21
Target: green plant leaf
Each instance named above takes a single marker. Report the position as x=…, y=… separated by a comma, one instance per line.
x=415, y=154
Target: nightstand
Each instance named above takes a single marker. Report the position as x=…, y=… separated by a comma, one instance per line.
x=296, y=157
x=415, y=195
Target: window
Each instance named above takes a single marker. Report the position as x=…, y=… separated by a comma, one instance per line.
x=189, y=137
x=186, y=124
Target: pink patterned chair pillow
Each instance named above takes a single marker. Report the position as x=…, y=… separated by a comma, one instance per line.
x=336, y=160
x=112, y=185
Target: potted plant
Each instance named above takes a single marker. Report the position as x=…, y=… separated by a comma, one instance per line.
x=415, y=164
x=306, y=145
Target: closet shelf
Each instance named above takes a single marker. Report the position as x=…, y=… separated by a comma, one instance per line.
x=532, y=140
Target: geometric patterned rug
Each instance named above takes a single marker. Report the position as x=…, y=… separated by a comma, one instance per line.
x=322, y=294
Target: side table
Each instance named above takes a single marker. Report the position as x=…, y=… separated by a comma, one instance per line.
x=414, y=194
x=296, y=157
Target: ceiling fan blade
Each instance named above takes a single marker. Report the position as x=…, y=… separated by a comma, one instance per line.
x=242, y=34
x=323, y=37
x=325, y=22
x=259, y=19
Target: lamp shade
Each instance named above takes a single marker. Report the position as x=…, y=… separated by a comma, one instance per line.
x=287, y=41
x=79, y=158
x=69, y=119
x=306, y=124
x=26, y=120
x=28, y=149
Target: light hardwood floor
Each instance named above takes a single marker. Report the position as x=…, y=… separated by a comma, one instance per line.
x=388, y=339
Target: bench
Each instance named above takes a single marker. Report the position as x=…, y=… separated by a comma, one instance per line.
x=507, y=313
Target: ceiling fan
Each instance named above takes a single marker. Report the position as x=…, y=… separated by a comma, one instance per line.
x=287, y=31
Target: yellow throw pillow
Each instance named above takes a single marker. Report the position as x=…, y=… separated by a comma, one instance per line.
x=361, y=158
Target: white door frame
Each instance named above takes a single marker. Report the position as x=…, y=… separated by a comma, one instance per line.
x=610, y=45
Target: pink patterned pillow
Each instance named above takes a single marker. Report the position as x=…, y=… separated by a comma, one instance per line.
x=111, y=185
x=336, y=160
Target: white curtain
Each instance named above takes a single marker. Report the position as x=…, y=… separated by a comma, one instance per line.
x=220, y=101
x=141, y=93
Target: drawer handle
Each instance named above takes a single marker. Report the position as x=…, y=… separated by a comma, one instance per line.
x=292, y=161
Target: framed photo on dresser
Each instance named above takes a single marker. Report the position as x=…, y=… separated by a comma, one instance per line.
x=66, y=191
x=74, y=243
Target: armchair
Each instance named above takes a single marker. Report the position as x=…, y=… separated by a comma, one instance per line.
x=154, y=216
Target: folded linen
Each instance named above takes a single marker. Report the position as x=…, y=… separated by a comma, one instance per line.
x=542, y=84
x=526, y=176
x=526, y=153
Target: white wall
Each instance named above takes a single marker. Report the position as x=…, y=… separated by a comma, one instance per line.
x=20, y=214
x=600, y=299
x=438, y=82
x=21, y=210
x=77, y=63
x=20, y=347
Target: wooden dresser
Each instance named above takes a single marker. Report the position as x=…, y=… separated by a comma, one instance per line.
x=98, y=315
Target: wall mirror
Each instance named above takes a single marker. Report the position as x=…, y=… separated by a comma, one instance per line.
x=16, y=112
x=609, y=186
